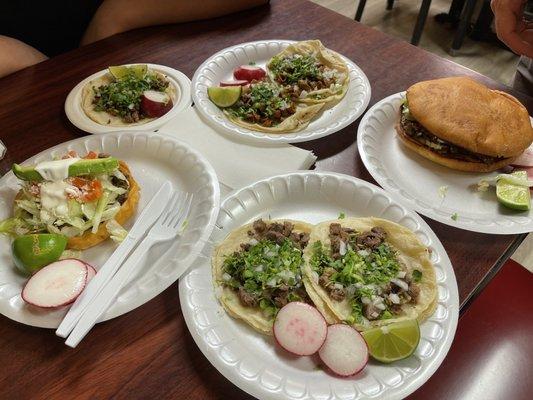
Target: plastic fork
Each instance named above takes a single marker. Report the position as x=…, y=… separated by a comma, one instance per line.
x=170, y=224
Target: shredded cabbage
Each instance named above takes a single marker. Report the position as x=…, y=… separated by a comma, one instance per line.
x=116, y=231
x=31, y=217
x=102, y=202
x=13, y=227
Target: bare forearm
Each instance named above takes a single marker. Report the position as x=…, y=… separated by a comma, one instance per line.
x=115, y=16
x=16, y=55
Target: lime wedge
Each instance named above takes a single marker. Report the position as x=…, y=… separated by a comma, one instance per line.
x=513, y=196
x=393, y=342
x=120, y=71
x=224, y=96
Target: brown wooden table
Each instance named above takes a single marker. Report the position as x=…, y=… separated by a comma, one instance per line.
x=149, y=352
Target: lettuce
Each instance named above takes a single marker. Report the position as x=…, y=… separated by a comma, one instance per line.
x=117, y=232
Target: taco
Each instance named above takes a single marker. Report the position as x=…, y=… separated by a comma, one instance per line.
x=86, y=200
x=267, y=107
x=310, y=73
x=257, y=270
x=128, y=96
x=368, y=272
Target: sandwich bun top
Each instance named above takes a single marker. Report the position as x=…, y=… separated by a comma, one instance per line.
x=470, y=115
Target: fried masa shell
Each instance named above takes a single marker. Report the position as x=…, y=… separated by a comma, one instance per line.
x=327, y=57
x=103, y=117
x=470, y=115
x=89, y=239
x=411, y=252
x=229, y=298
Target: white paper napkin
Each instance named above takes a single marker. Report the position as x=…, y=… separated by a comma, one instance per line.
x=236, y=163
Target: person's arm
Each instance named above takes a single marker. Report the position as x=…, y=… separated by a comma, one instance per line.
x=116, y=16
x=511, y=27
x=16, y=55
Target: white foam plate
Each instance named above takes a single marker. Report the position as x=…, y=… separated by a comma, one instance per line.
x=152, y=159
x=415, y=181
x=220, y=67
x=77, y=116
x=252, y=361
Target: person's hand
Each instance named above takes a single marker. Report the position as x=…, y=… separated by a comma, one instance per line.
x=511, y=26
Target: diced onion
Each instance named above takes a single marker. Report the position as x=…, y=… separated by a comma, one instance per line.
x=342, y=248
x=272, y=282
x=365, y=300
x=401, y=274
x=338, y=286
x=253, y=241
x=381, y=306
x=363, y=253
x=315, y=276
x=226, y=277
x=401, y=284
x=394, y=298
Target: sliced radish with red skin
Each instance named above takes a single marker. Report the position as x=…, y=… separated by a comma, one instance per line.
x=91, y=271
x=233, y=83
x=249, y=73
x=525, y=159
x=345, y=351
x=155, y=104
x=300, y=328
x=57, y=284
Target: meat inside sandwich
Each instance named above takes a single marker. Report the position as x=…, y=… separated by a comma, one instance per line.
x=414, y=131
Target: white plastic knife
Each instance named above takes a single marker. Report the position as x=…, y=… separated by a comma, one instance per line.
x=145, y=220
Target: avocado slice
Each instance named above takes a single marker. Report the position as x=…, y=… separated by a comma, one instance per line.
x=82, y=167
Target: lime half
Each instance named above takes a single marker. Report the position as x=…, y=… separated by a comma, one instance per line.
x=393, y=342
x=120, y=71
x=224, y=96
x=513, y=196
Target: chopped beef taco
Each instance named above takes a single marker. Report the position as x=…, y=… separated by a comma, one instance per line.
x=267, y=107
x=128, y=96
x=310, y=73
x=368, y=272
x=257, y=270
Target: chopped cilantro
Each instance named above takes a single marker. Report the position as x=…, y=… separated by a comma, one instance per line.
x=264, y=100
x=365, y=271
x=123, y=96
x=417, y=275
x=264, y=267
x=342, y=215
x=454, y=216
x=296, y=67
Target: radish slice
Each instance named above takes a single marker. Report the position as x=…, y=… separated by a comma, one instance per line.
x=300, y=328
x=234, y=83
x=57, y=284
x=525, y=159
x=345, y=351
x=155, y=104
x=91, y=271
x=249, y=73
